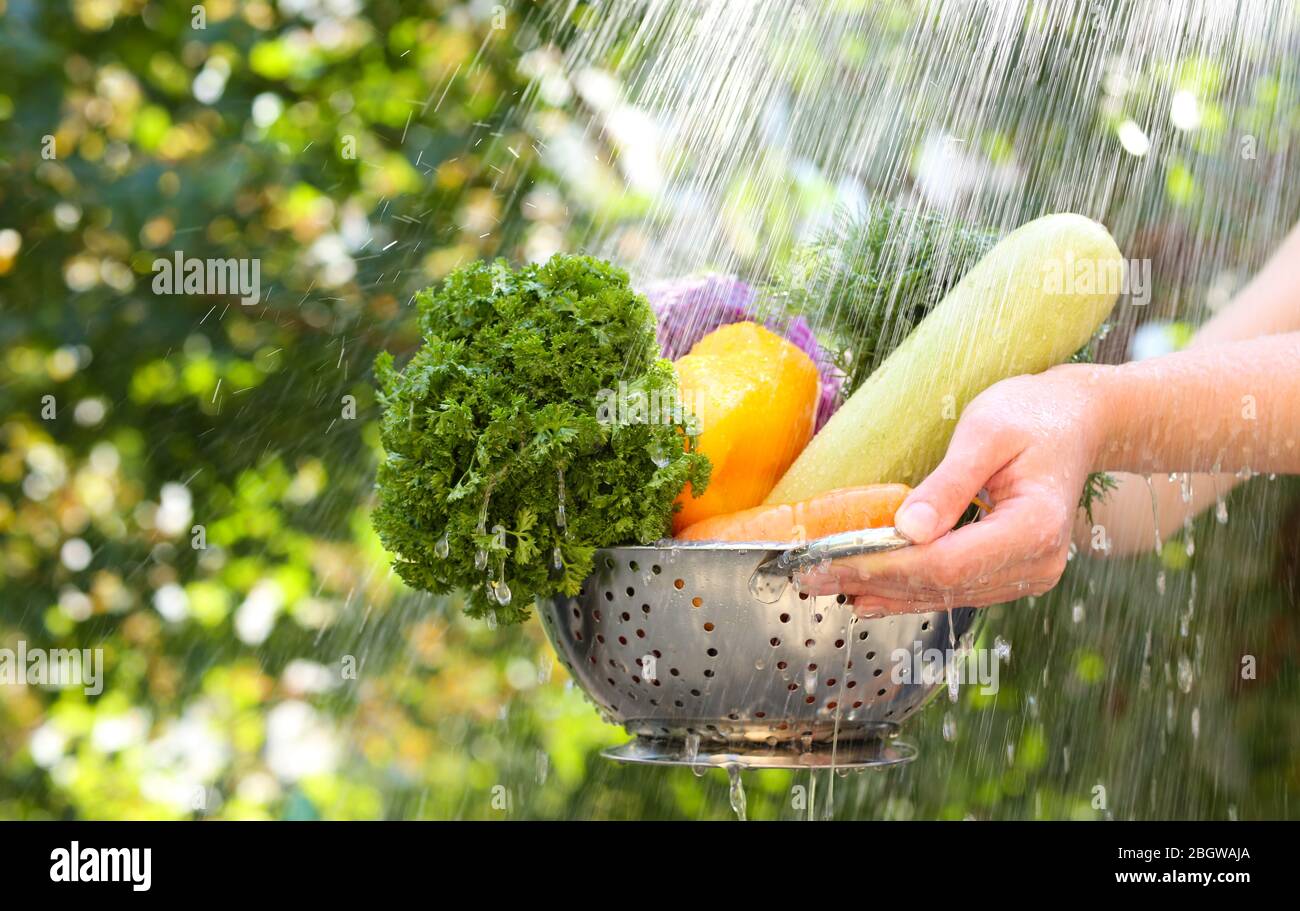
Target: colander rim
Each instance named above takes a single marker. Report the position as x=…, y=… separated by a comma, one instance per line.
x=671, y=546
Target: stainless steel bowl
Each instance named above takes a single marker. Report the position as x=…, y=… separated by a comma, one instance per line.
x=675, y=642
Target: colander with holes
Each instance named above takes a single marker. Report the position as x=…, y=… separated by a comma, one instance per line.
x=708, y=655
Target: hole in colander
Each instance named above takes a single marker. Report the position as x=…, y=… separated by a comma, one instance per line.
x=858, y=704
x=870, y=655
x=774, y=641
x=925, y=625
x=840, y=599
x=785, y=618
x=832, y=705
x=809, y=700
x=709, y=672
x=656, y=653
x=862, y=636
x=792, y=687
x=645, y=608
x=609, y=563
x=760, y=714
x=880, y=692
x=625, y=616
x=695, y=693
x=697, y=601
x=636, y=679
x=830, y=682
x=679, y=584
x=839, y=643
x=600, y=638
x=708, y=627
x=596, y=614
x=803, y=596
x=809, y=643
x=622, y=640
x=812, y=666
x=679, y=703
x=877, y=672
x=631, y=592
x=656, y=569
x=712, y=652
x=577, y=614
x=781, y=665
x=610, y=680
x=851, y=684
x=674, y=672
x=633, y=565
x=640, y=634
x=577, y=635
x=609, y=596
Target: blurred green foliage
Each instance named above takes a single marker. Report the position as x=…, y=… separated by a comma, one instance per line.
x=360, y=152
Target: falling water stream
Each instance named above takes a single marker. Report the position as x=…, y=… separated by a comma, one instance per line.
x=737, y=128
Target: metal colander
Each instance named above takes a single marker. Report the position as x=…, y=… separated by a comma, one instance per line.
x=706, y=653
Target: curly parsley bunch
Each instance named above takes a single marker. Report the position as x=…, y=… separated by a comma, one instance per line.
x=506, y=465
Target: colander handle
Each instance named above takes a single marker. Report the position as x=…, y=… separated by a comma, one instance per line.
x=833, y=547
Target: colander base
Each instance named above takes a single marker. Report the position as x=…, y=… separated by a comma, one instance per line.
x=871, y=753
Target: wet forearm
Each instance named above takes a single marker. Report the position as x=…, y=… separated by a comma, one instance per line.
x=1221, y=407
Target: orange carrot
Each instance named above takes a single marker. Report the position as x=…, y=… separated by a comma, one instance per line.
x=845, y=509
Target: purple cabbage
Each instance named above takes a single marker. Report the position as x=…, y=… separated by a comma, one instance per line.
x=690, y=308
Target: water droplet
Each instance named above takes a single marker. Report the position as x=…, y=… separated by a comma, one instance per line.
x=1185, y=674
x=1155, y=515
x=480, y=558
x=442, y=547
x=768, y=588
x=501, y=593
x=1002, y=648
x=1077, y=612
x=561, y=520
x=949, y=727
x=1221, y=511
x=659, y=453
x=557, y=558
x=737, y=792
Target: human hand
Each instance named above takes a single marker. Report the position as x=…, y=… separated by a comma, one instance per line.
x=1030, y=442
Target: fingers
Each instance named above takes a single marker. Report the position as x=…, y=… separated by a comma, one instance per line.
x=1017, y=550
x=938, y=502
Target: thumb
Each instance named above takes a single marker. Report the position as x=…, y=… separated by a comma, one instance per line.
x=933, y=508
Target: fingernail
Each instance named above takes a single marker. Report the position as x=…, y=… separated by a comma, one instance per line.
x=917, y=521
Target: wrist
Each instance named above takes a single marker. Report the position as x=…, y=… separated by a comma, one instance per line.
x=1101, y=410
